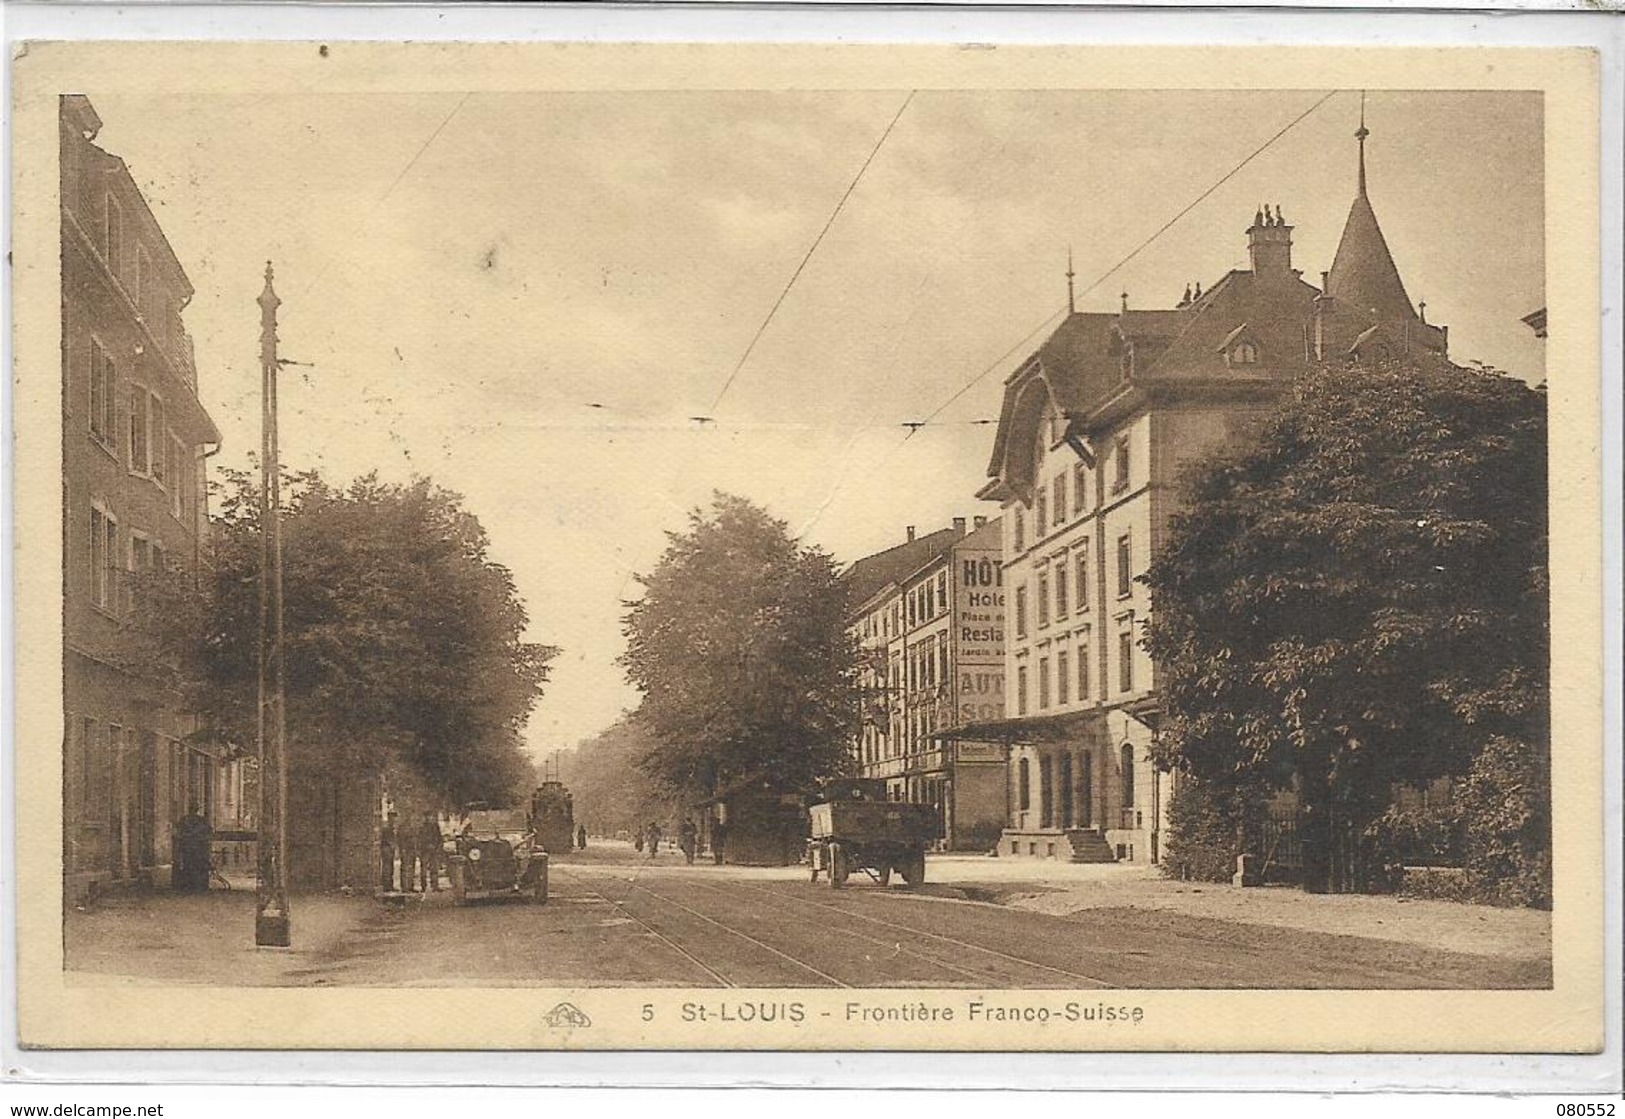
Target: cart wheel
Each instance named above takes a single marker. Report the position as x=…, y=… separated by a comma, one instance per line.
x=914, y=871
x=884, y=876
x=838, y=870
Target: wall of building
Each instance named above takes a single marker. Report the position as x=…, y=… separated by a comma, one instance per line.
x=132, y=436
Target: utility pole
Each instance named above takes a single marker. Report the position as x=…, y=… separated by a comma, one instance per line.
x=272, y=928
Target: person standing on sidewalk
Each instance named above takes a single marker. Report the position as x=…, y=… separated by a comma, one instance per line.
x=386, y=855
x=194, y=843
x=429, y=844
x=654, y=839
x=688, y=840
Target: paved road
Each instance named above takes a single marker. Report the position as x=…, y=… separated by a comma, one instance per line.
x=613, y=921
x=721, y=927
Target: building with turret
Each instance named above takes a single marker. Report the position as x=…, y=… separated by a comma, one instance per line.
x=1094, y=429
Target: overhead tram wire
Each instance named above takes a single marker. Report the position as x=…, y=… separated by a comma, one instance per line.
x=998, y=363
x=1136, y=251
x=796, y=275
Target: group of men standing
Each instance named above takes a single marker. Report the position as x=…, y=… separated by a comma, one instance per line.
x=419, y=849
x=688, y=840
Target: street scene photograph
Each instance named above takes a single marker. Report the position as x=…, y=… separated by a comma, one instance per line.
x=1038, y=540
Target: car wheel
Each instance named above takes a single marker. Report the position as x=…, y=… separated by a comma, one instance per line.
x=838, y=868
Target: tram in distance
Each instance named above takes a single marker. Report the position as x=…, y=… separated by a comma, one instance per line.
x=552, y=816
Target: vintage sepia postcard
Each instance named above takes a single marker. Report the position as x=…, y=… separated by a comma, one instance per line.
x=800, y=548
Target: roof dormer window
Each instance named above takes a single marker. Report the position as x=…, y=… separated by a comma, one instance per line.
x=1240, y=347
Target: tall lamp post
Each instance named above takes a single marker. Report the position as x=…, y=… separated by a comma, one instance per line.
x=272, y=928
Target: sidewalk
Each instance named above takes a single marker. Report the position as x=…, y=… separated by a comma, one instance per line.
x=183, y=938
x=1068, y=889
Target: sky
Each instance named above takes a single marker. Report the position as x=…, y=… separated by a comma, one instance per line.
x=527, y=297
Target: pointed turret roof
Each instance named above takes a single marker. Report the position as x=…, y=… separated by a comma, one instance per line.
x=1363, y=279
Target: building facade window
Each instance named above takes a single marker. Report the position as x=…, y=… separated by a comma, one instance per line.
x=1043, y=599
x=1081, y=569
x=1120, y=465
x=1063, y=678
x=1126, y=761
x=1060, y=591
x=1125, y=661
x=1040, y=516
x=1021, y=690
x=103, y=559
x=103, y=394
x=1018, y=531
x=1046, y=791
x=1244, y=353
x=1058, y=499
x=160, y=441
x=1125, y=559
x=1065, y=783
x=1084, y=689
x=1021, y=611
x=1080, y=486
x=1043, y=683
x=1024, y=785
x=113, y=235
x=140, y=430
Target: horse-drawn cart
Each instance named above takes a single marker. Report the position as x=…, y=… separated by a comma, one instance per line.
x=854, y=830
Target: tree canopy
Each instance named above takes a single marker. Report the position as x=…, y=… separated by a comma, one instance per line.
x=612, y=792
x=740, y=647
x=404, y=642
x=1358, y=598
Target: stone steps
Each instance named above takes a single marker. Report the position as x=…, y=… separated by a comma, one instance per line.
x=1089, y=846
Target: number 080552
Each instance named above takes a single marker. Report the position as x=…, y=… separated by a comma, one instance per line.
x=1586, y=1109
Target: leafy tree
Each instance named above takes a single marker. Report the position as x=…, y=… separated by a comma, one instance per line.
x=403, y=648
x=1359, y=597
x=739, y=645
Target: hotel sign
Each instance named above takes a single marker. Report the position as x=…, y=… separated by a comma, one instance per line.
x=979, y=609
x=978, y=635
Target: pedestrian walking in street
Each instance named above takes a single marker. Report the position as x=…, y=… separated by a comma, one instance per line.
x=581, y=837
x=637, y=840
x=688, y=840
x=386, y=855
x=194, y=841
x=429, y=845
x=654, y=839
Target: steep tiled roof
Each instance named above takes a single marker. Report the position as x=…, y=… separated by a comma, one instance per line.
x=1363, y=278
x=872, y=572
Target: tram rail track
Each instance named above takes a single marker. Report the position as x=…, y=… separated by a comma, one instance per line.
x=1095, y=981
x=652, y=931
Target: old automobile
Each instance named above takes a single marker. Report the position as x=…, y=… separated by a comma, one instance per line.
x=495, y=855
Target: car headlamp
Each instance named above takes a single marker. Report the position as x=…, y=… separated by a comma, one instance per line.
x=474, y=855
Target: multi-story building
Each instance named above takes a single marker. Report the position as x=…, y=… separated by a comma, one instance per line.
x=1094, y=429
x=134, y=442
x=929, y=619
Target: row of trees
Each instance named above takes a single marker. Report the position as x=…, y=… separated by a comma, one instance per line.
x=404, y=642
x=1355, y=602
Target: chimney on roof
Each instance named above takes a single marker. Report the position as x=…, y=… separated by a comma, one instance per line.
x=978, y=522
x=959, y=526
x=1269, y=244
x=911, y=534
